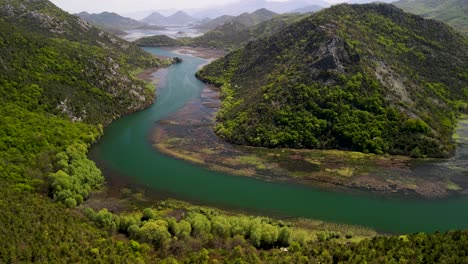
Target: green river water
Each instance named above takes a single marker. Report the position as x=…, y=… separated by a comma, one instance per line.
x=125, y=149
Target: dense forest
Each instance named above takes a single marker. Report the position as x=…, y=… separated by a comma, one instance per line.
x=369, y=78
x=62, y=80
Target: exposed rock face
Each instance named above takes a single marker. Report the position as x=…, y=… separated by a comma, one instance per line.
x=353, y=77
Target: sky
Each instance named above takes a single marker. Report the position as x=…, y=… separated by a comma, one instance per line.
x=123, y=6
x=128, y=6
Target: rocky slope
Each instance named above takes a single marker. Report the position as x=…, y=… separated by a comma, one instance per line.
x=369, y=78
x=79, y=71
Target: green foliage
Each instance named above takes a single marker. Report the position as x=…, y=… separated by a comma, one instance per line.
x=148, y=214
x=220, y=226
x=158, y=41
x=155, y=231
x=61, y=80
x=33, y=229
x=76, y=177
x=184, y=229
x=201, y=225
x=354, y=94
x=284, y=236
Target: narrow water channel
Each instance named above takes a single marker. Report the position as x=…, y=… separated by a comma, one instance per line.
x=125, y=148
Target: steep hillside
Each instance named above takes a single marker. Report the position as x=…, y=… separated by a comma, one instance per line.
x=452, y=12
x=236, y=33
x=112, y=22
x=77, y=70
x=214, y=23
x=61, y=79
x=254, y=18
x=369, y=78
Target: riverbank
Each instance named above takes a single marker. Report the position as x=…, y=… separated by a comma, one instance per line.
x=122, y=196
x=188, y=135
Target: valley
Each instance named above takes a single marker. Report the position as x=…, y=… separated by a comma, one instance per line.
x=248, y=132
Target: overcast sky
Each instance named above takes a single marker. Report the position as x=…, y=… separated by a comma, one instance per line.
x=127, y=6
x=124, y=6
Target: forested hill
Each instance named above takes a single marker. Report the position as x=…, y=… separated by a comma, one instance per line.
x=114, y=23
x=60, y=80
x=370, y=78
x=75, y=69
x=452, y=12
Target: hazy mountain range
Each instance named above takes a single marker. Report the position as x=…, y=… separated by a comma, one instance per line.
x=114, y=23
x=242, y=6
x=178, y=18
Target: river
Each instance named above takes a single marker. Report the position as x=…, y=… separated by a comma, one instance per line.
x=125, y=149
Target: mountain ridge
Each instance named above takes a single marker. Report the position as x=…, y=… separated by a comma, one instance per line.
x=178, y=18
x=359, y=48
x=115, y=23
x=231, y=34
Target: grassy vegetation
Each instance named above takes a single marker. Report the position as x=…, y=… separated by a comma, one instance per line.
x=353, y=77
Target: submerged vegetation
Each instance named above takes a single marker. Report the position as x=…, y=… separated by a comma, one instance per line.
x=352, y=77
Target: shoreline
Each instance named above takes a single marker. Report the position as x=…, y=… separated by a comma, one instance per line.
x=188, y=135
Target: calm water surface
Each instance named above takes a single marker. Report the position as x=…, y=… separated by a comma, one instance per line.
x=125, y=149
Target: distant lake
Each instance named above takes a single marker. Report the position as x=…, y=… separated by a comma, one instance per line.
x=171, y=31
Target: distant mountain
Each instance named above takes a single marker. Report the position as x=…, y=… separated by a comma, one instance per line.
x=242, y=6
x=255, y=18
x=179, y=18
x=307, y=9
x=246, y=19
x=155, y=18
x=232, y=34
x=367, y=78
x=114, y=23
x=214, y=23
x=452, y=12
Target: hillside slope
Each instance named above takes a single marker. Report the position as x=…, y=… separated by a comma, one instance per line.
x=112, y=22
x=80, y=71
x=229, y=36
x=214, y=23
x=353, y=77
x=61, y=79
x=452, y=12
